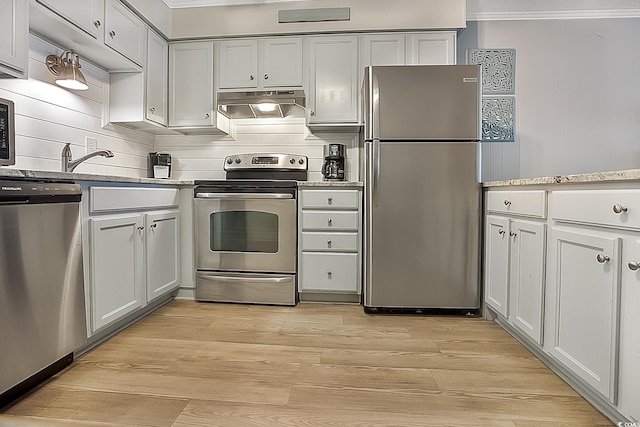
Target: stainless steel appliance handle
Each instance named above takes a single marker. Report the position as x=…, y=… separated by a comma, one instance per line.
x=243, y=196
x=260, y=279
x=376, y=171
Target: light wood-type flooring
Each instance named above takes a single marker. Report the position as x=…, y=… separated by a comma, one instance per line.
x=198, y=364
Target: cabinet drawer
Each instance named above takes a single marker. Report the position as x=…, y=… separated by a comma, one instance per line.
x=329, y=272
x=105, y=199
x=528, y=203
x=330, y=199
x=617, y=208
x=330, y=220
x=335, y=242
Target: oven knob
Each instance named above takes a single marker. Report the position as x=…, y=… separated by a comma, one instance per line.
x=229, y=160
x=301, y=161
x=292, y=160
x=237, y=160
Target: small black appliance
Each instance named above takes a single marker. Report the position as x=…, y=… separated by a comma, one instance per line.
x=334, y=162
x=159, y=165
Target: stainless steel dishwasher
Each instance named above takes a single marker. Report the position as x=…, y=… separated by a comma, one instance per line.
x=42, y=305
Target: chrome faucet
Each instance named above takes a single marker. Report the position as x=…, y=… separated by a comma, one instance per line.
x=68, y=165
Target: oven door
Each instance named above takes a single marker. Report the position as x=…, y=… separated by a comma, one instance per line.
x=249, y=232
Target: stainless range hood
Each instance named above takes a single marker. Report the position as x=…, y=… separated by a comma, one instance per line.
x=259, y=104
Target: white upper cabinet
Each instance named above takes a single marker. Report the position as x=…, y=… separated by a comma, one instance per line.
x=14, y=34
x=383, y=49
x=88, y=15
x=333, y=80
x=433, y=48
x=191, y=98
x=260, y=63
x=124, y=31
x=157, y=72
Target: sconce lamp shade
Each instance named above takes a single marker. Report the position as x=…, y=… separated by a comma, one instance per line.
x=67, y=69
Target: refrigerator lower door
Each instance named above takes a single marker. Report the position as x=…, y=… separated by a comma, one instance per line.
x=422, y=225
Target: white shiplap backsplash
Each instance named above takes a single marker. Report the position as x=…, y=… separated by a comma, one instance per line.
x=202, y=156
x=48, y=116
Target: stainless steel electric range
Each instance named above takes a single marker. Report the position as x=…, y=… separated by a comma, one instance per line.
x=246, y=230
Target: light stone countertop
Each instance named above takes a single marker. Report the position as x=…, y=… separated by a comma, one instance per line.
x=330, y=184
x=613, y=176
x=7, y=173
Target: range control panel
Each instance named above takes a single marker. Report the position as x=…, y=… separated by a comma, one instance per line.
x=265, y=161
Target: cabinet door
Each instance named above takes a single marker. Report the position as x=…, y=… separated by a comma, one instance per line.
x=162, y=245
x=383, y=49
x=333, y=80
x=496, y=274
x=86, y=15
x=629, y=373
x=157, y=71
x=435, y=48
x=191, y=84
x=125, y=32
x=526, y=278
x=117, y=273
x=14, y=35
x=238, y=64
x=282, y=62
x=583, y=294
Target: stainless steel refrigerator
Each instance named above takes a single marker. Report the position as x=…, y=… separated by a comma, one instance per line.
x=422, y=190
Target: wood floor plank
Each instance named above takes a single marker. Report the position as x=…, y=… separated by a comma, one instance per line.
x=194, y=364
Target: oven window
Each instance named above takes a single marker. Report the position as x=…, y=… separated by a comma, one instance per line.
x=244, y=231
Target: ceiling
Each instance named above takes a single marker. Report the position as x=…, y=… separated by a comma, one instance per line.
x=195, y=3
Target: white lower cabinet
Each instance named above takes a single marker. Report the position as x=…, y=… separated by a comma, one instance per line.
x=582, y=299
x=133, y=244
x=329, y=221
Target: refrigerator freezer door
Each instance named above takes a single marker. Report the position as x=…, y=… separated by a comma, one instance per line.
x=422, y=225
x=431, y=102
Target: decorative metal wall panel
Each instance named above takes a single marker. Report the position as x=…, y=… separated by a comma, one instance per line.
x=498, y=69
x=498, y=119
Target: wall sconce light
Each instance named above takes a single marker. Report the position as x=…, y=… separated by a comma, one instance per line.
x=67, y=68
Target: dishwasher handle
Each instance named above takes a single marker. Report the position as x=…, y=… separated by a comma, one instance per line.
x=244, y=196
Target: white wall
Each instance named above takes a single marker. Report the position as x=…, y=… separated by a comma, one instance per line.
x=202, y=156
x=48, y=116
x=577, y=95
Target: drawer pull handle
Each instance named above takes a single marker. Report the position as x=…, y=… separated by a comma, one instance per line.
x=513, y=234
x=507, y=202
x=603, y=258
x=330, y=200
x=329, y=275
x=617, y=208
x=330, y=222
x=329, y=243
x=266, y=76
x=633, y=265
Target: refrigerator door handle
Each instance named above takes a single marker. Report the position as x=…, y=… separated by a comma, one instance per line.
x=376, y=171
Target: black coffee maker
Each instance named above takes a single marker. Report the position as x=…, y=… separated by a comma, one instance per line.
x=334, y=162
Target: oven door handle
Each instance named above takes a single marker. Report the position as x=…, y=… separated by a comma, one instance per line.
x=246, y=279
x=243, y=196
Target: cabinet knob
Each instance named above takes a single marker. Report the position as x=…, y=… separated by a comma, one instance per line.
x=633, y=265
x=266, y=76
x=251, y=77
x=501, y=231
x=97, y=23
x=603, y=258
x=329, y=275
x=141, y=227
x=153, y=109
x=154, y=225
x=513, y=234
x=313, y=113
x=329, y=243
x=507, y=202
x=617, y=208
x=207, y=115
x=329, y=200
x=329, y=222
x=112, y=33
